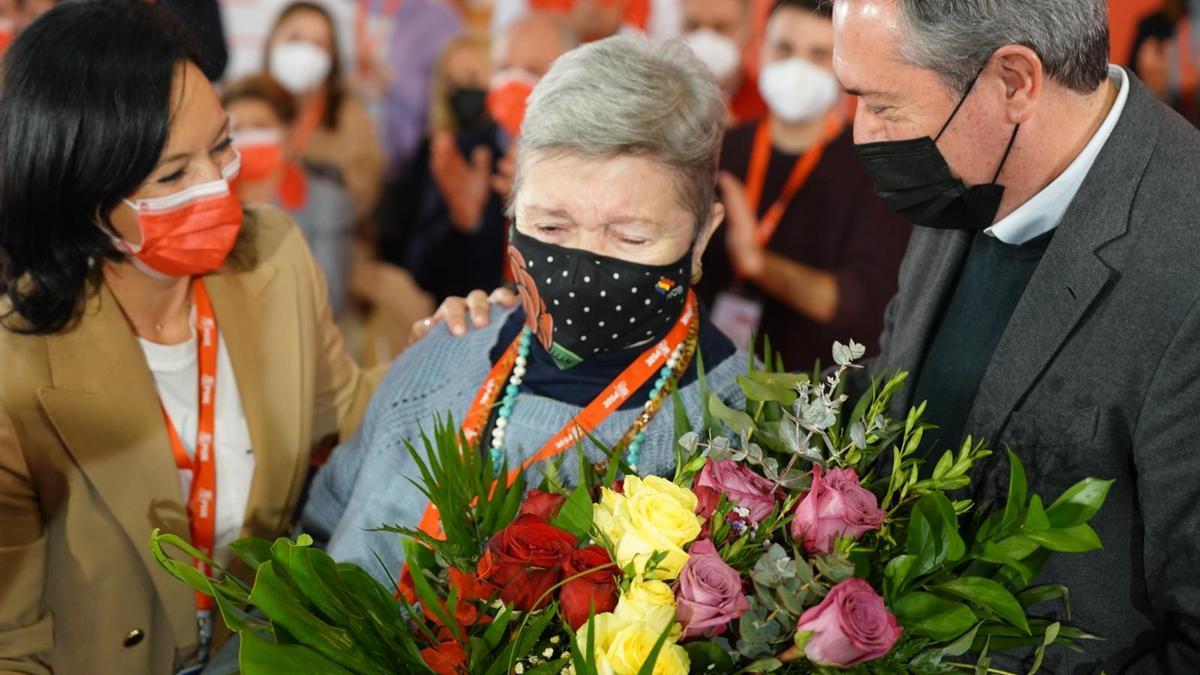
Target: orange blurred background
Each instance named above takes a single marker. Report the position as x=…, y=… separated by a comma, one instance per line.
x=1123, y=18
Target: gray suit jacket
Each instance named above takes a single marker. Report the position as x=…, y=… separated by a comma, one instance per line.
x=1098, y=374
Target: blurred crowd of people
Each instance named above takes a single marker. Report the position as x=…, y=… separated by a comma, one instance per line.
x=385, y=128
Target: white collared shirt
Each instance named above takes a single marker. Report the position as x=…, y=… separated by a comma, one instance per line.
x=1045, y=210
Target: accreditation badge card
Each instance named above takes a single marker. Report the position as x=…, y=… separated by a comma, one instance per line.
x=738, y=317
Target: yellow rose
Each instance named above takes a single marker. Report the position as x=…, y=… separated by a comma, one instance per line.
x=658, y=485
x=654, y=515
x=631, y=648
x=604, y=514
x=649, y=601
x=607, y=626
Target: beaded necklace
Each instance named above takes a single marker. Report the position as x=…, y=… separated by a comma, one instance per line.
x=631, y=441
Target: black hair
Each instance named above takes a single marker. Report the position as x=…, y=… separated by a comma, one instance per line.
x=335, y=91
x=85, y=110
x=822, y=8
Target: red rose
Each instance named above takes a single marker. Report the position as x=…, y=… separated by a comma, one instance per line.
x=524, y=560
x=447, y=658
x=544, y=505
x=595, y=591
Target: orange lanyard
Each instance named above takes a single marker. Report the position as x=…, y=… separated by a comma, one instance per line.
x=614, y=395
x=364, y=41
x=202, y=500
x=760, y=158
x=307, y=125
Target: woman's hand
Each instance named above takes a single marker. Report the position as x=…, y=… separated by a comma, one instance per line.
x=465, y=185
x=455, y=311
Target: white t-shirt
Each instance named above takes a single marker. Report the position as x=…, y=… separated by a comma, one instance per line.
x=175, y=373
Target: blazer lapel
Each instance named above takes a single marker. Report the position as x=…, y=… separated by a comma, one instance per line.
x=105, y=408
x=262, y=333
x=1071, y=276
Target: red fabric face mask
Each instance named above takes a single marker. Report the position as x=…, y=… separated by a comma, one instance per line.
x=261, y=151
x=506, y=98
x=8, y=32
x=189, y=233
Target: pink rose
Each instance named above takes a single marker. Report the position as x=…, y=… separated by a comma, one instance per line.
x=837, y=506
x=849, y=627
x=709, y=594
x=744, y=487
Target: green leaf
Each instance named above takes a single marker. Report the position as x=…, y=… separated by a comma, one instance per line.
x=963, y=644
x=259, y=656
x=770, y=392
x=933, y=536
x=937, y=618
x=1079, y=504
x=425, y=592
x=1018, y=489
x=281, y=603
x=736, y=420
x=895, y=573
x=252, y=551
x=1035, y=517
x=1038, y=594
x=575, y=516
x=1047, y=640
x=1017, y=547
x=708, y=657
x=765, y=665
x=183, y=571
x=548, y=668
x=991, y=595
x=1077, y=539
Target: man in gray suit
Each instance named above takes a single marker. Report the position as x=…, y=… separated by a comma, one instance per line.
x=1051, y=299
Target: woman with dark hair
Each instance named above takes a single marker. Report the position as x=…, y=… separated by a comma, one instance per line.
x=332, y=131
x=168, y=359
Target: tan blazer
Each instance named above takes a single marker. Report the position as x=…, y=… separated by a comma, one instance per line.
x=86, y=470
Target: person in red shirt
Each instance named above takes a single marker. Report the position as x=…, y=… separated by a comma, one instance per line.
x=719, y=32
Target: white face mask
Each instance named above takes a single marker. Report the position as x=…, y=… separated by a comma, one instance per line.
x=300, y=66
x=797, y=90
x=716, y=51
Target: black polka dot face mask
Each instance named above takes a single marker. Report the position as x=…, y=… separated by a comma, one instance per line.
x=580, y=304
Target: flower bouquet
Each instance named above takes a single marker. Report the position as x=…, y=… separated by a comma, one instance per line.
x=797, y=535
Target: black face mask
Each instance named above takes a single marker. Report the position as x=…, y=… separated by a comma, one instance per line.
x=580, y=304
x=468, y=105
x=914, y=180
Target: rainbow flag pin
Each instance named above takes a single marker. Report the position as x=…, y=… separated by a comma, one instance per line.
x=664, y=285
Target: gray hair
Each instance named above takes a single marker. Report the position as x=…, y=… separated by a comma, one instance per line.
x=628, y=96
x=954, y=38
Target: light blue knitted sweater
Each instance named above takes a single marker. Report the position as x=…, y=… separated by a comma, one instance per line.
x=365, y=483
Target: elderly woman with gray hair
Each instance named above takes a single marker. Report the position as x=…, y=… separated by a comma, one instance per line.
x=612, y=208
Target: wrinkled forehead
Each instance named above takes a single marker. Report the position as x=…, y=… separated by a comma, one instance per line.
x=867, y=41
